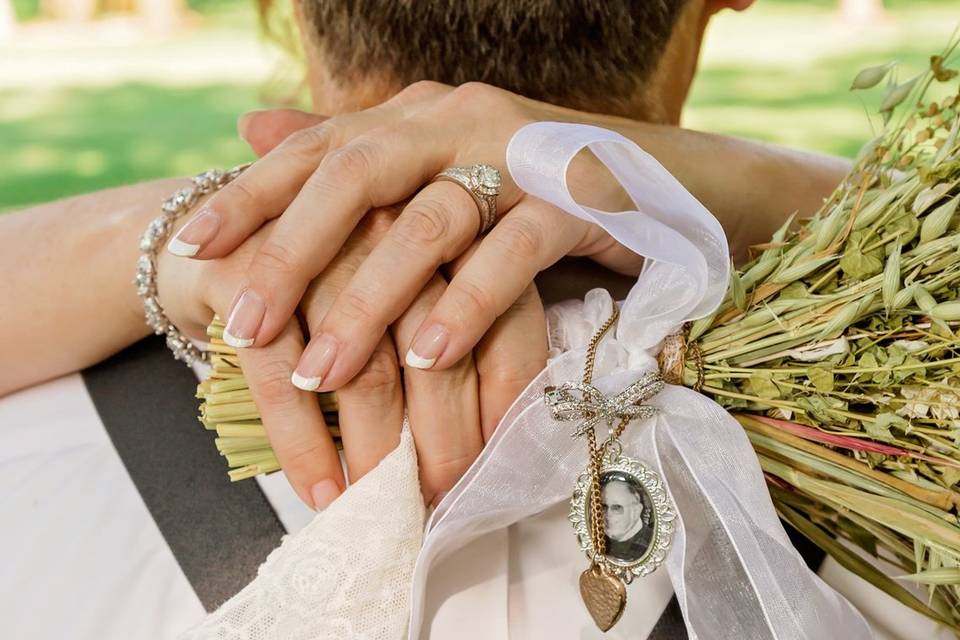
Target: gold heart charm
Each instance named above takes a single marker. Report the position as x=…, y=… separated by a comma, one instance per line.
x=604, y=595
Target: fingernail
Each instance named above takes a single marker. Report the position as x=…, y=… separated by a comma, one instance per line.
x=427, y=347
x=197, y=232
x=323, y=493
x=244, y=320
x=243, y=122
x=315, y=363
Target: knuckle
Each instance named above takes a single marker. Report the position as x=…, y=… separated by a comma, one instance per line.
x=472, y=93
x=517, y=374
x=359, y=159
x=376, y=224
x=274, y=258
x=424, y=222
x=237, y=195
x=522, y=238
x=473, y=304
x=308, y=451
x=379, y=378
x=271, y=384
x=309, y=141
x=355, y=306
x=445, y=469
x=423, y=89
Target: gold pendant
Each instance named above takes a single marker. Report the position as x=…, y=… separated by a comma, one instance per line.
x=604, y=595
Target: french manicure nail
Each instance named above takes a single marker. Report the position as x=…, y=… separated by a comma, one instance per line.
x=245, y=319
x=197, y=232
x=427, y=347
x=305, y=383
x=323, y=493
x=316, y=362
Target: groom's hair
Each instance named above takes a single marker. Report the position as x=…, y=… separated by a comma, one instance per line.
x=578, y=53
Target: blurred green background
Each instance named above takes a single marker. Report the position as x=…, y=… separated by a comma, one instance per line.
x=86, y=106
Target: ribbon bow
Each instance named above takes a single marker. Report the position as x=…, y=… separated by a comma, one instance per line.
x=573, y=401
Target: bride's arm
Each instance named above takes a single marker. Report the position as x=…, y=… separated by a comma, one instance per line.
x=66, y=292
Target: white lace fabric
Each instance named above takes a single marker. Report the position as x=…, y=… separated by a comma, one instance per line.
x=346, y=575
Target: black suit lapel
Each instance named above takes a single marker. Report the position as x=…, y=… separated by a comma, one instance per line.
x=219, y=532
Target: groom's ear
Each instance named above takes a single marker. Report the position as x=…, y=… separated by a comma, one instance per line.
x=264, y=130
x=737, y=5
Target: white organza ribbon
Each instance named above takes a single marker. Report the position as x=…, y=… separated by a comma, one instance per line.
x=734, y=571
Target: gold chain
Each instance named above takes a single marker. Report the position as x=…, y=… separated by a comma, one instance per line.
x=597, y=452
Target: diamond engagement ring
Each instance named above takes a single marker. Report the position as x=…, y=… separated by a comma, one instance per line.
x=483, y=183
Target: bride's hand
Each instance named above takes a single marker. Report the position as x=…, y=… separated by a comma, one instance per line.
x=446, y=408
x=324, y=178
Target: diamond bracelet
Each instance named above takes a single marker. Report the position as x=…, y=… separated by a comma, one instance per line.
x=156, y=235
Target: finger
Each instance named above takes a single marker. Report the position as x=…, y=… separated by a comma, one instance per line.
x=293, y=420
x=443, y=407
x=434, y=228
x=531, y=237
x=264, y=130
x=511, y=354
x=270, y=185
x=370, y=408
x=373, y=170
x=267, y=187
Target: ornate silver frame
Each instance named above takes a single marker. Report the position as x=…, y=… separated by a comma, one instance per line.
x=663, y=521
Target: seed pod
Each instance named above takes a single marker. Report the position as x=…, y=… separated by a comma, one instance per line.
x=891, y=279
x=699, y=327
x=946, y=311
x=937, y=223
x=879, y=205
x=828, y=229
x=903, y=298
x=760, y=270
x=897, y=94
x=948, y=146
x=870, y=77
x=737, y=290
x=841, y=320
x=924, y=300
x=800, y=271
x=929, y=196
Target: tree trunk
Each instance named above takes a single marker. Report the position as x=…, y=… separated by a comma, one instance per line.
x=70, y=10
x=161, y=16
x=861, y=11
x=8, y=19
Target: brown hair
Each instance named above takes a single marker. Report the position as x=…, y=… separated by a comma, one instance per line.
x=577, y=53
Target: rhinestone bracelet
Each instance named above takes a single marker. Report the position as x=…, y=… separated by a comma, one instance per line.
x=156, y=235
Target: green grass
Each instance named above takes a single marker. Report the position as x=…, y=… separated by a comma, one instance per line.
x=94, y=112
x=781, y=71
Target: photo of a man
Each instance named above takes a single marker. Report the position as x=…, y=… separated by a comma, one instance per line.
x=628, y=517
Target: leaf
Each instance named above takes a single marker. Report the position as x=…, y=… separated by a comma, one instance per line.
x=907, y=225
x=821, y=378
x=761, y=385
x=859, y=265
x=881, y=426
